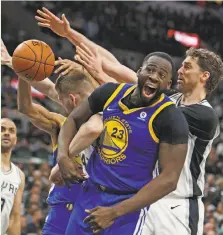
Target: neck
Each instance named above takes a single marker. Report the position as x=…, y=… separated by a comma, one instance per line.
x=6, y=160
x=194, y=96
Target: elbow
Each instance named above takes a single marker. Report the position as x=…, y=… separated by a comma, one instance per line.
x=23, y=109
x=171, y=182
x=94, y=129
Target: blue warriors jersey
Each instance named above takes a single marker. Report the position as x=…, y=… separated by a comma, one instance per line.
x=61, y=194
x=125, y=158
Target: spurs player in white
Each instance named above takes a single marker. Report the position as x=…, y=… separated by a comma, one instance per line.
x=182, y=211
x=12, y=181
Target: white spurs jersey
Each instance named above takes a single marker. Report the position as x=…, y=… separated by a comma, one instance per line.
x=203, y=129
x=10, y=182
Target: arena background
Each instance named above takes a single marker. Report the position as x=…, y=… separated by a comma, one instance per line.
x=130, y=30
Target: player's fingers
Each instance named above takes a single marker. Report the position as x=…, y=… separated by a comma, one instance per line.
x=65, y=72
x=61, y=68
x=64, y=19
x=60, y=58
x=85, y=64
x=88, y=219
x=49, y=13
x=96, y=231
x=80, y=50
x=42, y=19
x=44, y=25
x=92, y=210
x=44, y=15
x=85, y=48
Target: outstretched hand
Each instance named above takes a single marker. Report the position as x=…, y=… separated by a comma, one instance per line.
x=91, y=60
x=59, y=26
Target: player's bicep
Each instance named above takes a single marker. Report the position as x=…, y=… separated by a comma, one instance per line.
x=18, y=197
x=202, y=120
x=171, y=159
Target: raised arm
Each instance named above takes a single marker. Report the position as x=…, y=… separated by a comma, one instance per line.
x=63, y=29
x=38, y=115
x=15, y=224
x=102, y=69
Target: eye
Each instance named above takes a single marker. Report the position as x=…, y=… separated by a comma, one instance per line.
x=162, y=75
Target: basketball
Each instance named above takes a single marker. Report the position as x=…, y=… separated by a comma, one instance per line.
x=33, y=60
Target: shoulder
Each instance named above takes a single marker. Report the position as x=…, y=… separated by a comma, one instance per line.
x=202, y=119
x=22, y=178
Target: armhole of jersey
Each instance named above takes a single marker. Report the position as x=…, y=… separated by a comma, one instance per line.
x=150, y=125
x=114, y=94
x=18, y=173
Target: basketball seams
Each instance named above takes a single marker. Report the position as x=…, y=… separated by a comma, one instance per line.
x=40, y=60
x=26, y=68
x=45, y=63
x=33, y=60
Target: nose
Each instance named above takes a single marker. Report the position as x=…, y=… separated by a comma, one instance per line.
x=180, y=70
x=154, y=77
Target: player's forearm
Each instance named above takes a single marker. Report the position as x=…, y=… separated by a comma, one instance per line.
x=120, y=72
x=24, y=98
x=47, y=87
x=86, y=135
x=150, y=193
x=77, y=38
x=102, y=78
x=67, y=132
x=14, y=226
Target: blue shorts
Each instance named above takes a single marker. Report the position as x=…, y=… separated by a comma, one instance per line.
x=57, y=219
x=92, y=196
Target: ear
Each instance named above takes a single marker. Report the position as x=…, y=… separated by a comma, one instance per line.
x=15, y=141
x=169, y=84
x=139, y=70
x=73, y=99
x=205, y=76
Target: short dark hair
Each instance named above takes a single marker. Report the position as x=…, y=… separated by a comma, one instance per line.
x=164, y=56
x=75, y=81
x=211, y=62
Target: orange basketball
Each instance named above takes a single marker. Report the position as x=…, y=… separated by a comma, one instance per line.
x=34, y=60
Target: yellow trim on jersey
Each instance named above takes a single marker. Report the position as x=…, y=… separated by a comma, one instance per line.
x=61, y=124
x=150, y=125
x=55, y=147
x=114, y=94
x=126, y=110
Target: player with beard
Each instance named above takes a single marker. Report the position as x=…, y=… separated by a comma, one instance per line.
x=198, y=76
x=12, y=181
x=141, y=124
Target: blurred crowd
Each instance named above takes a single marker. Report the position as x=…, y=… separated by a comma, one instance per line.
x=125, y=28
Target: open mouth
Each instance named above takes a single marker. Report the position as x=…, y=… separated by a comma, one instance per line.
x=149, y=90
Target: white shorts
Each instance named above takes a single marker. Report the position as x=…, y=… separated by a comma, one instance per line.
x=175, y=216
